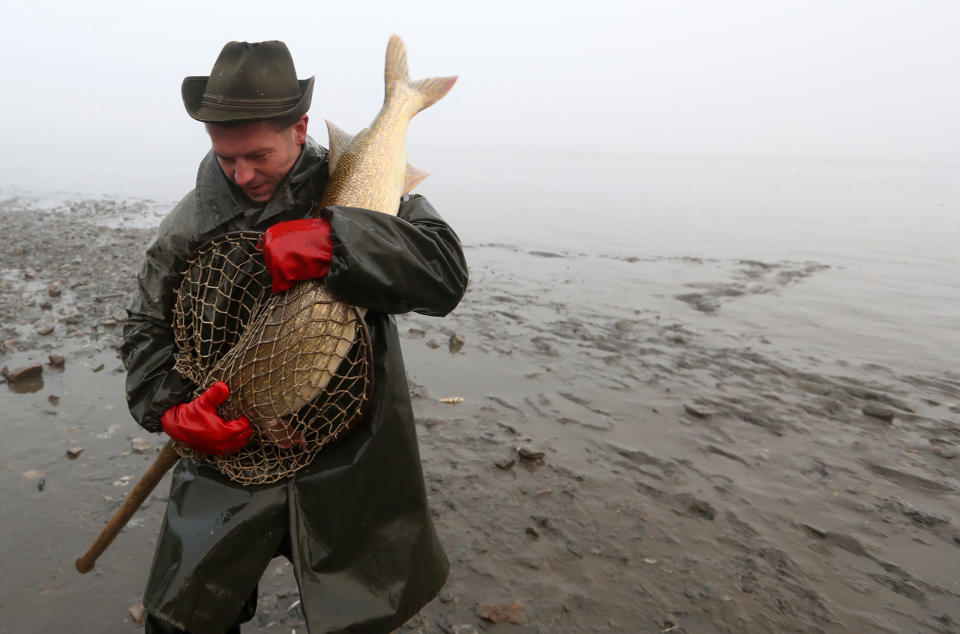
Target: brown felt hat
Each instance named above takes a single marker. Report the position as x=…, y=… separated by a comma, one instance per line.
x=250, y=81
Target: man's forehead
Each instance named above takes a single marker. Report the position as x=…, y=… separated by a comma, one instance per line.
x=247, y=138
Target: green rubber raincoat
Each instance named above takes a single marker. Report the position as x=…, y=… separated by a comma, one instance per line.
x=355, y=523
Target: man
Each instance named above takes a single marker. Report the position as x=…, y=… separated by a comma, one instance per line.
x=355, y=522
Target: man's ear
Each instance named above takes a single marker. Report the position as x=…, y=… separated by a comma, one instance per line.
x=300, y=130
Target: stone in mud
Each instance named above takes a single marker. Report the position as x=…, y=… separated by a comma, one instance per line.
x=57, y=361
x=531, y=455
x=417, y=332
x=44, y=330
x=73, y=452
x=137, y=613
x=24, y=373
x=433, y=343
x=98, y=368
x=502, y=613
x=456, y=342
x=700, y=508
x=878, y=411
x=696, y=410
x=53, y=399
x=140, y=445
x=55, y=290
x=505, y=464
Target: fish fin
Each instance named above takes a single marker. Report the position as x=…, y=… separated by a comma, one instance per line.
x=413, y=177
x=339, y=141
x=429, y=91
x=432, y=89
x=396, y=68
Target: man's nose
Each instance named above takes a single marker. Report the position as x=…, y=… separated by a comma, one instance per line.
x=242, y=173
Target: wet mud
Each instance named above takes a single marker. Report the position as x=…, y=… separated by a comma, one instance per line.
x=611, y=443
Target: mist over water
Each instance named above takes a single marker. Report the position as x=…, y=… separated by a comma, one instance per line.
x=92, y=91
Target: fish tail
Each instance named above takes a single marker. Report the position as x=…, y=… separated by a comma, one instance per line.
x=427, y=91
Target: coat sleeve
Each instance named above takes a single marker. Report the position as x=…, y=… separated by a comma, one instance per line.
x=148, y=348
x=395, y=264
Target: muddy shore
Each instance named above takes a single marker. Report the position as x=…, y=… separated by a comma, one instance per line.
x=652, y=461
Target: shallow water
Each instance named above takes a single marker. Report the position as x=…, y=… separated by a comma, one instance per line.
x=889, y=233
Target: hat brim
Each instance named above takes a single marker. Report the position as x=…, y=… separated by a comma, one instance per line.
x=192, y=91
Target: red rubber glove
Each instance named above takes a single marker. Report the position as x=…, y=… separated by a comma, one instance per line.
x=198, y=425
x=297, y=250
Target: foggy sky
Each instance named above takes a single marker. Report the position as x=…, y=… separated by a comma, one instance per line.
x=91, y=91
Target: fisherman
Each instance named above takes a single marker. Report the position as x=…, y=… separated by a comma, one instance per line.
x=355, y=522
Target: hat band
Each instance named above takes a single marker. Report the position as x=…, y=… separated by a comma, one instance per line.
x=218, y=102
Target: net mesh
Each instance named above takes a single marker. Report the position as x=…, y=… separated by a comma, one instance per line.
x=298, y=364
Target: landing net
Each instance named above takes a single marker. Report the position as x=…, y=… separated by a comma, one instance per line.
x=298, y=364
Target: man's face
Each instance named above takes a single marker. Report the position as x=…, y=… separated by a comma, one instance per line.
x=256, y=156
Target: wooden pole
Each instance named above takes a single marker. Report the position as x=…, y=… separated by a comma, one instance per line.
x=164, y=461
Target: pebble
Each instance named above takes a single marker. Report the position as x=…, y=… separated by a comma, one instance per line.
x=878, y=411
x=446, y=597
x=57, y=361
x=696, y=410
x=73, y=452
x=526, y=453
x=123, y=481
x=140, y=445
x=26, y=372
x=137, y=613
x=45, y=330
x=500, y=613
x=456, y=342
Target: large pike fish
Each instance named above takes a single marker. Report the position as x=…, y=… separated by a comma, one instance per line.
x=369, y=171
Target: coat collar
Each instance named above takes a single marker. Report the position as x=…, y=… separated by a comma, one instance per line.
x=223, y=201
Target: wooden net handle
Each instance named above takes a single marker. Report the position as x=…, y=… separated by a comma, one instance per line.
x=137, y=496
